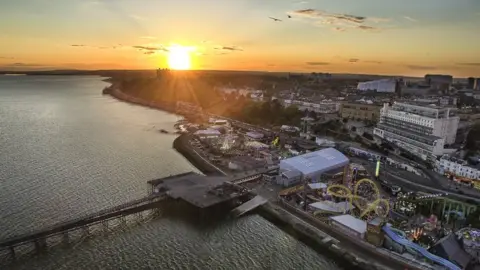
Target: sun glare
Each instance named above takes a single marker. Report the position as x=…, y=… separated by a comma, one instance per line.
x=179, y=57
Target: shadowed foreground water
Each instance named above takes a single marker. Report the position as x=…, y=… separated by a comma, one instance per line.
x=66, y=150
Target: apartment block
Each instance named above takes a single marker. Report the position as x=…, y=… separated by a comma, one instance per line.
x=360, y=111
x=421, y=130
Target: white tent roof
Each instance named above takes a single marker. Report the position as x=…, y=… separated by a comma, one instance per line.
x=317, y=185
x=256, y=145
x=329, y=206
x=207, y=132
x=254, y=135
x=319, y=161
x=351, y=222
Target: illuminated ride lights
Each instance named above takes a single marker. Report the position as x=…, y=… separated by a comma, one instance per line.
x=373, y=204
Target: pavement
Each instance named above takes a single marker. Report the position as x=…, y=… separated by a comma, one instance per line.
x=451, y=186
x=412, y=182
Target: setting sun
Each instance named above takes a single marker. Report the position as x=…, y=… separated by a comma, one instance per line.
x=179, y=57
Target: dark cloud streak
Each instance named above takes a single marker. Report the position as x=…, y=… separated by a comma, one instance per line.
x=150, y=49
x=418, y=67
x=468, y=64
x=342, y=20
x=317, y=63
x=228, y=48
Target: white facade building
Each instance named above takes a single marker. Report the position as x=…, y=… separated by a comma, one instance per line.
x=421, y=130
x=381, y=86
x=326, y=106
x=456, y=167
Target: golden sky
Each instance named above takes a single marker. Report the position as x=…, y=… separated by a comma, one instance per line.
x=338, y=36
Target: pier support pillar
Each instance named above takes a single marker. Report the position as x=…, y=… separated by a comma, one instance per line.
x=86, y=231
x=40, y=244
x=105, y=226
x=123, y=222
x=65, y=238
x=157, y=212
x=139, y=217
x=13, y=256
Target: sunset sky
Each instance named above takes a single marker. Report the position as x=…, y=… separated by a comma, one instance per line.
x=409, y=37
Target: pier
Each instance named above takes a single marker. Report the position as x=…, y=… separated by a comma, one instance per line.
x=39, y=240
x=199, y=191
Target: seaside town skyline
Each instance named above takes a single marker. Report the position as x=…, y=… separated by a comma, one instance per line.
x=372, y=37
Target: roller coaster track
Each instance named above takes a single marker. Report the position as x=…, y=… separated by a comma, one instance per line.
x=377, y=205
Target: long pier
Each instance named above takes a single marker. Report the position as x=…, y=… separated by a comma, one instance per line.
x=39, y=238
x=205, y=192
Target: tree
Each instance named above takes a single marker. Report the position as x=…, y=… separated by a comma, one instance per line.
x=472, y=138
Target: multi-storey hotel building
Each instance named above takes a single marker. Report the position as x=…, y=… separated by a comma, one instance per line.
x=420, y=130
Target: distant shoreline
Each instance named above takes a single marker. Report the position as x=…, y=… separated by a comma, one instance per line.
x=180, y=144
x=115, y=92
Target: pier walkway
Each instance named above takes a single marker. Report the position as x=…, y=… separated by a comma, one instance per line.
x=120, y=210
x=250, y=205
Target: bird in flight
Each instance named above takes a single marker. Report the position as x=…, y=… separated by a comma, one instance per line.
x=275, y=19
x=289, y=16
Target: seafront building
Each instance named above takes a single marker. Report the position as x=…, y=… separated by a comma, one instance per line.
x=457, y=168
x=325, y=106
x=438, y=81
x=380, y=86
x=360, y=111
x=420, y=130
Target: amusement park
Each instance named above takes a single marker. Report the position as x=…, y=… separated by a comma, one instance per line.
x=429, y=229
x=349, y=194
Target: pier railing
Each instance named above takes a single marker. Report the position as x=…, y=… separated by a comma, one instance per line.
x=123, y=209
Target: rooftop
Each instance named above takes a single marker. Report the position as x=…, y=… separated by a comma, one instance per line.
x=198, y=190
x=319, y=161
x=351, y=222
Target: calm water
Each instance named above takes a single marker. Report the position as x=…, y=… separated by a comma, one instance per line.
x=66, y=150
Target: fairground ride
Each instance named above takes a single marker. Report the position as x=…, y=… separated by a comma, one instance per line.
x=365, y=197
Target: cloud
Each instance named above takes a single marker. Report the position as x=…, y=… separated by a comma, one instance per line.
x=300, y=3
x=137, y=17
x=25, y=65
x=353, y=60
x=314, y=13
x=372, y=62
x=418, y=67
x=341, y=21
x=7, y=57
x=147, y=49
x=148, y=37
x=228, y=48
x=96, y=47
x=410, y=19
x=368, y=28
x=317, y=63
x=223, y=50
x=468, y=64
